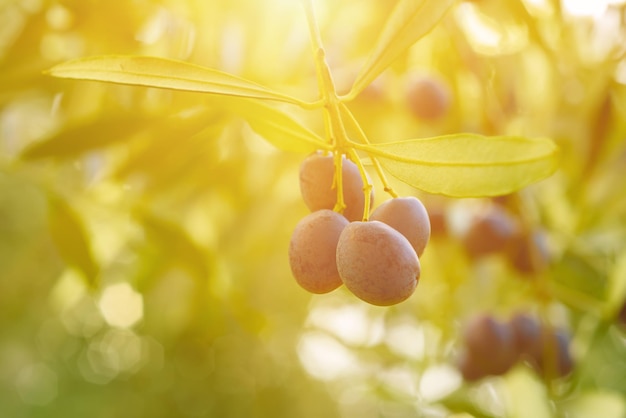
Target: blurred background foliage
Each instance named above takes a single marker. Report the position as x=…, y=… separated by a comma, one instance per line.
x=144, y=233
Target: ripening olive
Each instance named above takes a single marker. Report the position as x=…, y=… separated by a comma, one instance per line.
x=470, y=369
x=550, y=354
x=526, y=331
x=317, y=174
x=408, y=216
x=312, y=251
x=428, y=97
x=529, y=253
x=377, y=263
x=490, y=344
x=438, y=221
x=491, y=231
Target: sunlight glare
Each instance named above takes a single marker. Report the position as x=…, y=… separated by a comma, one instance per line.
x=585, y=8
x=488, y=36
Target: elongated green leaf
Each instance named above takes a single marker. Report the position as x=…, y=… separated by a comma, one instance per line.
x=616, y=286
x=409, y=21
x=164, y=73
x=91, y=134
x=276, y=126
x=71, y=239
x=173, y=240
x=468, y=165
x=174, y=142
x=85, y=136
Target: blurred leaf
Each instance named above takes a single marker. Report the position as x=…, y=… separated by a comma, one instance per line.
x=86, y=136
x=463, y=402
x=71, y=239
x=276, y=126
x=175, y=244
x=114, y=128
x=597, y=404
x=616, y=286
x=164, y=73
x=578, y=272
x=527, y=394
x=409, y=21
x=172, y=139
x=468, y=165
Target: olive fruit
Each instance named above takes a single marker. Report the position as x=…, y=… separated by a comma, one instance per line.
x=317, y=175
x=312, y=251
x=492, y=347
x=526, y=331
x=377, y=263
x=529, y=253
x=550, y=354
x=428, y=97
x=470, y=369
x=490, y=344
x=491, y=231
x=438, y=221
x=408, y=216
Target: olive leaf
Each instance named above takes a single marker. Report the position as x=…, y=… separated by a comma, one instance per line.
x=168, y=145
x=616, y=286
x=467, y=165
x=90, y=134
x=71, y=239
x=166, y=74
x=275, y=125
x=172, y=239
x=86, y=135
x=409, y=21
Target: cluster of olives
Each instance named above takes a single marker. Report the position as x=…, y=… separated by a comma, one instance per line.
x=492, y=347
x=377, y=259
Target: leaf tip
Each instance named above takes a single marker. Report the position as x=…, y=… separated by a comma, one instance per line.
x=52, y=71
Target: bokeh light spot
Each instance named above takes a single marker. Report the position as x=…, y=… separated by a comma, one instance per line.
x=325, y=358
x=121, y=305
